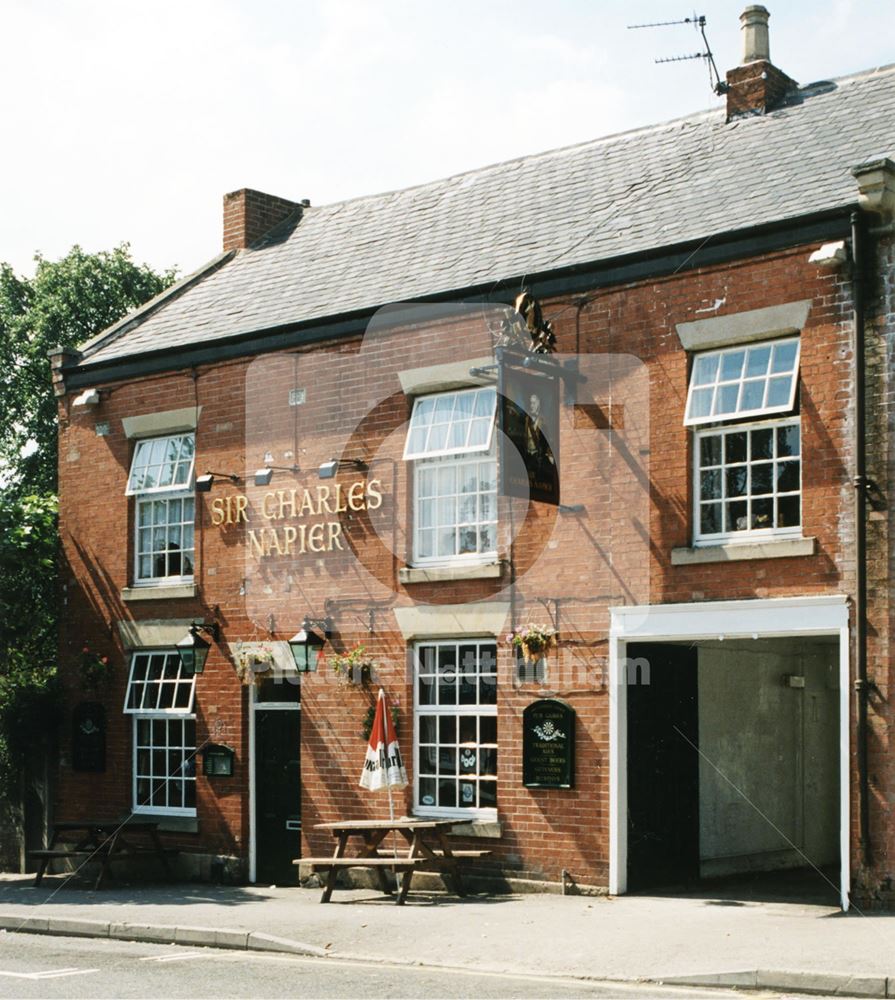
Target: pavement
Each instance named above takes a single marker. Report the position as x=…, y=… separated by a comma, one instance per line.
x=694, y=940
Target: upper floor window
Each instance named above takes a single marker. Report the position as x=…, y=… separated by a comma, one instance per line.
x=747, y=475
x=748, y=481
x=451, y=423
x=161, y=479
x=451, y=440
x=747, y=381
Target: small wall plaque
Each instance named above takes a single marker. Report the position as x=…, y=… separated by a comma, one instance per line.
x=218, y=761
x=88, y=737
x=548, y=744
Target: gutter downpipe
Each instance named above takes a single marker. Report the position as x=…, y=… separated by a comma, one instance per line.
x=860, y=483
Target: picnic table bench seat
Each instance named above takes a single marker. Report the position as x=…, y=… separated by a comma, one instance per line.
x=102, y=840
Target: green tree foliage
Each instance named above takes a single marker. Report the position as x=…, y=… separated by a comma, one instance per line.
x=66, y=303
x=27, y=624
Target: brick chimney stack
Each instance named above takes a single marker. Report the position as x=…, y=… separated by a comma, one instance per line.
x=756, y=85
x=249, y=215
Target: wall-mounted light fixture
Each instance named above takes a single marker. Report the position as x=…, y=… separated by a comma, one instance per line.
x=328, y=469
x=193, y=649
x=264, y=475
x=204, y=483
x=306, y=643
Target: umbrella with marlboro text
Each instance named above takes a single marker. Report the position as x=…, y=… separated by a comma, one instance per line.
x=383, y=765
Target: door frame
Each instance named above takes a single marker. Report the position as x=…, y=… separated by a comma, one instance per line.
x=259, y=706
x=770, y=618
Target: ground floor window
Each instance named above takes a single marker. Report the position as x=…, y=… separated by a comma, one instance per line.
x=456, y=727
x=165, y=765
x=160, y=698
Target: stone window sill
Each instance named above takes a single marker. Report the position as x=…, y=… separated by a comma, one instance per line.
x=772, y=548
x=478, y=828
x=163, y=593
x=177, y=824
x=444, y=574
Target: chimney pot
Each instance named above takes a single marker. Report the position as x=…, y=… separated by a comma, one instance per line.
x=756, y=86
x=754, y=25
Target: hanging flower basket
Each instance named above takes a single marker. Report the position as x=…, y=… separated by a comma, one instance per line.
x=353, y=667
x=254, y=664
x=95, y=669
x=533, y=642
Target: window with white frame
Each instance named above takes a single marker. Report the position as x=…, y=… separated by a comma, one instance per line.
x=451, y=442
x=161, y=480
x=747, y=473
x=455, y=740
x=160, y=698
x=749, y=381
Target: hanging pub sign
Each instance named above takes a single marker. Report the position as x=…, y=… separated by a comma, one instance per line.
x=548, y=744
x=88, y=737
x=528, y=414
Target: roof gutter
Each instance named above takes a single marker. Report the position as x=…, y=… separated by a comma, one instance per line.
x=716, y=249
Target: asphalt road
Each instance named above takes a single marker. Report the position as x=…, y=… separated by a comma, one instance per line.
x=51, y=967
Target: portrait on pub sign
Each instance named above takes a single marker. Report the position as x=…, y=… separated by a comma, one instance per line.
x=529, y=419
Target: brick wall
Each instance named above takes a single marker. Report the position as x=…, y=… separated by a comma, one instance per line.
x=627, y=458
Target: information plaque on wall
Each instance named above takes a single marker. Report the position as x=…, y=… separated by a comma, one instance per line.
x=88, y=737
x=548, y=744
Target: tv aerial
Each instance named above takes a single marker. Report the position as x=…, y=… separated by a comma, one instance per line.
x=698, y=23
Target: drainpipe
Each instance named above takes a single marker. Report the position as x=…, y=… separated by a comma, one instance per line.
x=861, y=484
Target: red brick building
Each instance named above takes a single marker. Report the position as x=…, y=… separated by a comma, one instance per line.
x=307, y=428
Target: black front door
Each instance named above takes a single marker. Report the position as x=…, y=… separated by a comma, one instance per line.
x=277, y=794
x=663, y=765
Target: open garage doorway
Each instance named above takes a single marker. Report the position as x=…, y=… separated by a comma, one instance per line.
x=728, y=760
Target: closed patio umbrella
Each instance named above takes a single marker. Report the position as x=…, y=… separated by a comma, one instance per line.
x=383, y=764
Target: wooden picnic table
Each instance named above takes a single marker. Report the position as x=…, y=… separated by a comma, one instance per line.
x=428, y=848
x=104, y=840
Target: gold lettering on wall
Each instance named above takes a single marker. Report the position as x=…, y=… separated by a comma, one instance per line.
x=296, y=505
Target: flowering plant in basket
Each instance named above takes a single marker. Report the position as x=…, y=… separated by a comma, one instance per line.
x=355, y=667
x=533, y=641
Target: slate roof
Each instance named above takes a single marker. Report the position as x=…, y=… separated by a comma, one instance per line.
x=638, y=191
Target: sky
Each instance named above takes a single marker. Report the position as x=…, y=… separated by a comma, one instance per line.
x=128, y=122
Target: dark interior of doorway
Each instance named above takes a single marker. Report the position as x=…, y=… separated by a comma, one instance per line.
x=663, y=766
x=664, y=792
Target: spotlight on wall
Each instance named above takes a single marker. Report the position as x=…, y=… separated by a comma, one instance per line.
x=264, y=475
x=306, y=643
x=193, y=649
x=328, y=469
x=204, y=483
